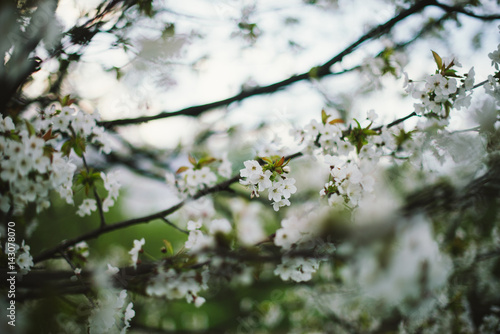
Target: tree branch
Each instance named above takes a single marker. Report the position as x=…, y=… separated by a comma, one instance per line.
x=105, y=229
x=461, y=10
x=318, y=72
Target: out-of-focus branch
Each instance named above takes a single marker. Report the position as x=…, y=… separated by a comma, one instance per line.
x=318, y=72
x=461, y=10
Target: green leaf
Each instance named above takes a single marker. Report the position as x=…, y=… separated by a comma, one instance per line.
x=66, y=101
x=269, y=161
x=359, y=125
x=324, y=116
x=66, y=148
x=80, y=178
x=14, y=136
x=206, y=161
x=369, y=132
x=452, y=73
x=31, y=129
x=79, y=146
x=168, y=246
x=96, y=176
x=438, y=60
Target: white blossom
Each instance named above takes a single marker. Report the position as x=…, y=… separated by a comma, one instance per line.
x=134, y=252
x=88, y=206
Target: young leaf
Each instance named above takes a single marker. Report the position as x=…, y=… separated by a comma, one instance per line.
x=452, y=73
x=31, y=129
x=79, y=146
x=359, y=125
x=336, y=121
x=48, y=135
x=269, y=161
x=168, y=246
x=181, y=169
x=280, y=162
x=438, y=60
x=324, y=116
x=192, y=160
x=66, y=148
x=206, y=161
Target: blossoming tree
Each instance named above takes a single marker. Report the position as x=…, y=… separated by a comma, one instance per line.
x=336, y=219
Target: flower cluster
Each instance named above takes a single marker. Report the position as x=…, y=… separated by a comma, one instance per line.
x=197, y=240
x=271, y=177
x=388, y=61
x=35, y=156
x=200, y=176
x=112, y=185
x=298, y=269
x=111, y=316
x=175, y=285
x=347, y=183
x=442, y=90
x=300, y=233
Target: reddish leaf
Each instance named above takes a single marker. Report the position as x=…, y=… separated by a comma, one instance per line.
x=182, y=169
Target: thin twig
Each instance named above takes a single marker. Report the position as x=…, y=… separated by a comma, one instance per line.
x=461, y=10
x=65, y=256
x=174, y=226
x=96, y=195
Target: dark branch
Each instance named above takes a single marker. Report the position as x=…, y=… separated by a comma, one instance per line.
x=105, y=229
x=457, y=9
x=318, y=72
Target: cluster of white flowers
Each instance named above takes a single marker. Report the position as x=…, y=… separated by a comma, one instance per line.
x=199, y=176
x=495, y=58
x=301, y=234
x=271, y=178
x=196, y=179
x=347, y=183
x=112, y=185
x=442, y=90
x=298, y=269
x=492, y=86
x=388, y=62
x=81, y=248
x=294, y=231
x=33, y=162
x=197, y=240
x=175, y=285
x=111, y=316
